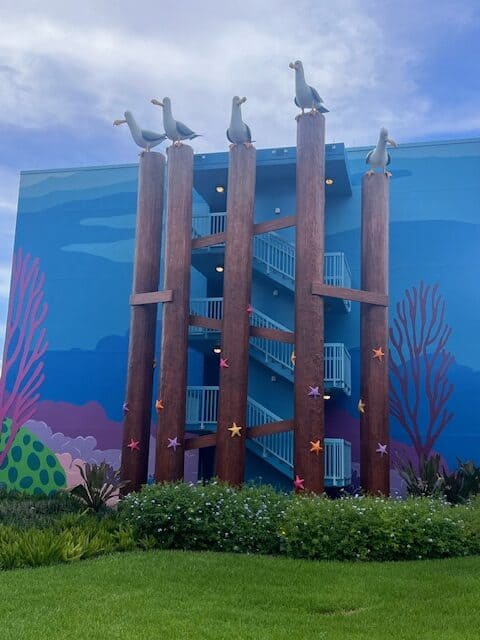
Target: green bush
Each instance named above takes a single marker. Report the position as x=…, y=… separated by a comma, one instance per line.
x=70, y=538
x=373, y=529
x=259, y=520
x=23, y=510
x=212, y=516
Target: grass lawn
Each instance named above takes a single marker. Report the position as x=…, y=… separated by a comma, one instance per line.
x=183, y=596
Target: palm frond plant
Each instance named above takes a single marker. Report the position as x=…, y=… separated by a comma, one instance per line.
x=100, y=484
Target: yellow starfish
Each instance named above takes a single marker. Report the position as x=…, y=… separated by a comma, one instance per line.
x=235, y=429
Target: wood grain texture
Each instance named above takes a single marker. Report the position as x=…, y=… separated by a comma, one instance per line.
x=374, y=425
x=208, y=241
x=173, y=373
x=309, y=309
x=356, y=295
x=232, y=401
x=153, y=297
x=205, y=323
x=200, y=442
x=273, y=334
x=141, y=348
x=269, y=428
x=274, y=225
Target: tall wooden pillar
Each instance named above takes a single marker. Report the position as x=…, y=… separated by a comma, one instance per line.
x=141, y=350
x=309, y=320
x=374, y=436
x=173, y=373
x=232, y=405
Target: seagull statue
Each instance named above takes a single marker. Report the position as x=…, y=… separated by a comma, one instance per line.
x=175, y=130
x=306, y=97
x=238, y=132
x=379, y=157
x=144, y=138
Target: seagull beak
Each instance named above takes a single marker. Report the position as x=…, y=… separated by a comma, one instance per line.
x=242, y=100
x=392, y=142
x=157, y=102
x=117, y=122
x=291, y=65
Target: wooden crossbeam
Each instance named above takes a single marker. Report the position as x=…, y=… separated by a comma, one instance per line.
x=205, y=323
x=208, y=241
x=274, y=225
x=210, y=439
x=152, y=297
x=356, y=295
x=261, y=227
x=199, y=442
x=269, y=428
x=273, y=334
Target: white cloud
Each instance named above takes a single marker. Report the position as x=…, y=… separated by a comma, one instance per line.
x=82, y=69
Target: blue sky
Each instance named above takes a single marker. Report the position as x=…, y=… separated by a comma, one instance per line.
x=67, y=71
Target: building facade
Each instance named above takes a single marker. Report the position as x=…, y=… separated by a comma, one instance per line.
x=64, y=368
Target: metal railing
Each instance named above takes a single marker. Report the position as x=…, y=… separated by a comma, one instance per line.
x=202, y=405
x=337, y=361
x=276, y=254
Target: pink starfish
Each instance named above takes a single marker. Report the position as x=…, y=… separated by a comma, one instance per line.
x=173, y=443
x=298, y=483
x=314, y=392
x=133, y=445
x=249, y=309
x=224, y=363
x=381, y=449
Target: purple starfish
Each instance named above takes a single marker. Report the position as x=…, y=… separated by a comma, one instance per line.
x=381, y=449
x=173, y=443
x=125, y=408
x=314, y=392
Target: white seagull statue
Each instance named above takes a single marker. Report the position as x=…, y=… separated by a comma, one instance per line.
x=144, y=138
x=306, y=97
x=175, y=130
x=379, y=158
x=238, y=132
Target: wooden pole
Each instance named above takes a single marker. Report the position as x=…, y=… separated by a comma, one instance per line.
x=309, y=312
x=173, y=374
x=374, y=435
x=141, y=351
x=232, y=404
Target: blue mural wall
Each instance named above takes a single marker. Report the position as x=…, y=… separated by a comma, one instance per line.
x=79, y=226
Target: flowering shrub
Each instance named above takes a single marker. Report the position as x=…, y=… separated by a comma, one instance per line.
x=212, y=516
x=259, y=520
x=374, y=529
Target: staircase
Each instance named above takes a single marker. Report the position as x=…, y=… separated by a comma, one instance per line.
x=276, y=449
x=278, y=355
x=275, y=257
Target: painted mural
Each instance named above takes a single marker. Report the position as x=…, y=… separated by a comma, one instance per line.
x=63, y=379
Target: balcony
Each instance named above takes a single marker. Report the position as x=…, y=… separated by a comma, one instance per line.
x=277, y=449
x=275, y=257
x=278, y=355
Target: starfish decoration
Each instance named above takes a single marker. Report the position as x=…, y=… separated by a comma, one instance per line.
x=159, y=405
x=314, y=392
x=293, y=358
x=133, y=445
x=381, y=449
x=173, y=443
x=249, y=309
x=316, y=447
x=235, y=429
x=125, y=408
x=361, y=406
x=378, y=354
x=299, y=483
x=224, y=363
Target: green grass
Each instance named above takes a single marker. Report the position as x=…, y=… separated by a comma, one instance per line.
x=188, y=596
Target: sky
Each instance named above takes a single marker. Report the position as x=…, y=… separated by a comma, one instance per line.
x=67, y=70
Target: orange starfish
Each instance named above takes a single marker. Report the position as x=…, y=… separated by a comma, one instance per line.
x=378, y=353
